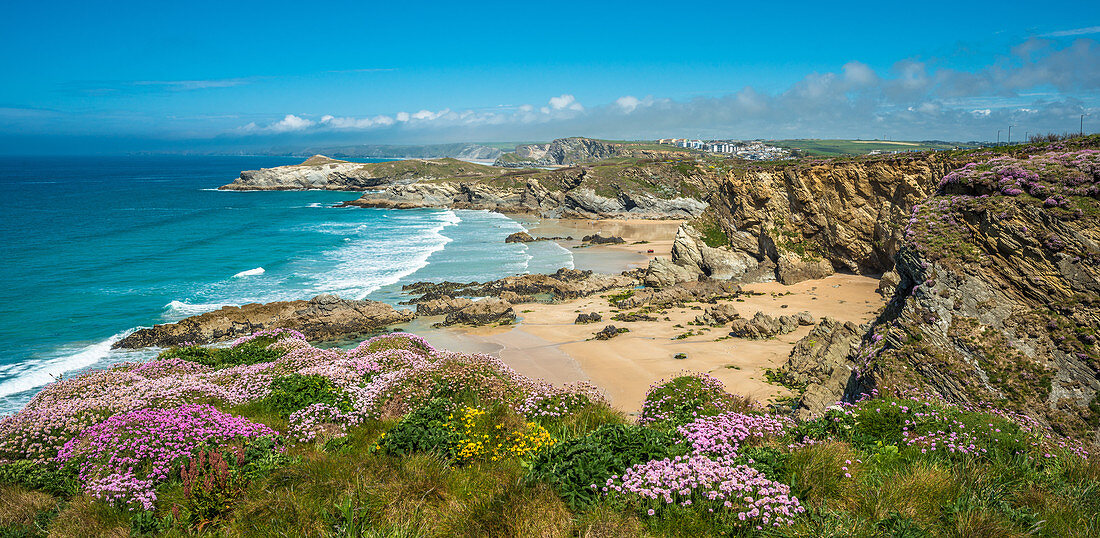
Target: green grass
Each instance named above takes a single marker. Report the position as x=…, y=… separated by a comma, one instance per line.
x=836, y=148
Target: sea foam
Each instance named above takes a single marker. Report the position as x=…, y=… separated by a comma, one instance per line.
x=250, y=272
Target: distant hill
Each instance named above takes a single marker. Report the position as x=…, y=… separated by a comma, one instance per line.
x=461, y=150
x=836, y=147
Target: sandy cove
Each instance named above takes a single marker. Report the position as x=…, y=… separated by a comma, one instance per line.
x=545, y=343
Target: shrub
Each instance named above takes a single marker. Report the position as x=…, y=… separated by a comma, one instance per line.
x=426, y=429
x=734, y=495
x=686, y=398
x=294, y=392
x=48, y=477
x=249, y=352
x=573, y=466
x=483, y=436
x=123, y=458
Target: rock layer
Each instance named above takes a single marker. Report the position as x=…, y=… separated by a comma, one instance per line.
x=324, y=317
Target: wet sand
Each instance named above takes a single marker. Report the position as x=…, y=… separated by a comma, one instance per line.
x=641, y=236
x=546, y=344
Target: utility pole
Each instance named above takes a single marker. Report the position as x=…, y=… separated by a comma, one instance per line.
x=1010, y=134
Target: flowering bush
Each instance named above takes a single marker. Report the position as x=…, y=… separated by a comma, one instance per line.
x=321, y=422
x=686, y=398
x=481, y=436
x=737, y=495
x=547, y=401
x=572, y=466
x=123, y=458
x=723, y=435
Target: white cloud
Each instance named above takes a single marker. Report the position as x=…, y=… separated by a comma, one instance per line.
x=1074, y=32
x=565, y=102
x=1039, y=83
x=628, y=103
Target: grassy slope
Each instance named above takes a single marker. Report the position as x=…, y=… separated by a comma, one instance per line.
x=834, y=148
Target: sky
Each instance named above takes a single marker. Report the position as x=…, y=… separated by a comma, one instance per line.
x=197, y=76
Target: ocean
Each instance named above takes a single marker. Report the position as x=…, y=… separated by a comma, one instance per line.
x=96, y=247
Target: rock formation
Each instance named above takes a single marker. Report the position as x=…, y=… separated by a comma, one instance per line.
x=483, y=312
x=591, y=317
x=320, y=172
x=562, y=285
x=325, y=317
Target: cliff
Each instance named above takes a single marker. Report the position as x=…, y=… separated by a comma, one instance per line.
x=999, y=297
x=563, y=151
x=796, y=220
x=321, y=172
x=630, y=189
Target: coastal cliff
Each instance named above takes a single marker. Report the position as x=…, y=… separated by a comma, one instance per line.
x=804, y=219
x=649, y=190
x=321, y=172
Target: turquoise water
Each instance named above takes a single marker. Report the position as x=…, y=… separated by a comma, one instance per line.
x=96, y=247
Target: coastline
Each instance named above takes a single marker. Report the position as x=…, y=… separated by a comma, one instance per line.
x=546, y=343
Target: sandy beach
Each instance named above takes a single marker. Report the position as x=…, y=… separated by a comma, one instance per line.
x=545, y=342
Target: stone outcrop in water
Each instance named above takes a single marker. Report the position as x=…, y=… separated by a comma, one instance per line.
x=325, y=317
x=320, y=172
x=562, y=285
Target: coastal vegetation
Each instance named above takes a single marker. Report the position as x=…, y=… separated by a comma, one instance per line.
x=396, y=438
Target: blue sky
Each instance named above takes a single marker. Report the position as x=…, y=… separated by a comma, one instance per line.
x=98, y=77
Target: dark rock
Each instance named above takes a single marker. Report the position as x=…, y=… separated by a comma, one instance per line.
x=823, y=361
x=520, y=237
x=609, y=332
x=597, y=239
x=442, y=306
x=588, y=318
x=483, y=312
x=718, y=315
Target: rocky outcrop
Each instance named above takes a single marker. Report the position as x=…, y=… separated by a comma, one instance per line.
x=792, y=268
x=763, y=326
x=609, y=332
x=483, y=312
x=584, y=318
x=999, y=294
x=692, y=258
x=563, y=151
x=519, y=237
x=823, y=362
x=793, y=223
x=320, y=172
x=325, y=317
x=442, y=306
x=705, y=291
x=597, y=239
x=718, y=315
x=562, y=285
x=531, y=197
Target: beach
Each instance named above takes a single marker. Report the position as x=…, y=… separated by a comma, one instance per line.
x=545, y=342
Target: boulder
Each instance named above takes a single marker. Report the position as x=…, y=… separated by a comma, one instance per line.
x=519, y=237
x=763, y=326
x=483, y=312
x=597, y=239
x=793, y=268
x=583, y=318
x=442, y=306
x=609, y=332
x=718, y=315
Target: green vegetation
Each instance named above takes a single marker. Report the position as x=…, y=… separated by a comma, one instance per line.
x=836, y=148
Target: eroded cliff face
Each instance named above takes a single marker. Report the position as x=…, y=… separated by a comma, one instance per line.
x=805, y=220
x=647, y=190
x=999, y=298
